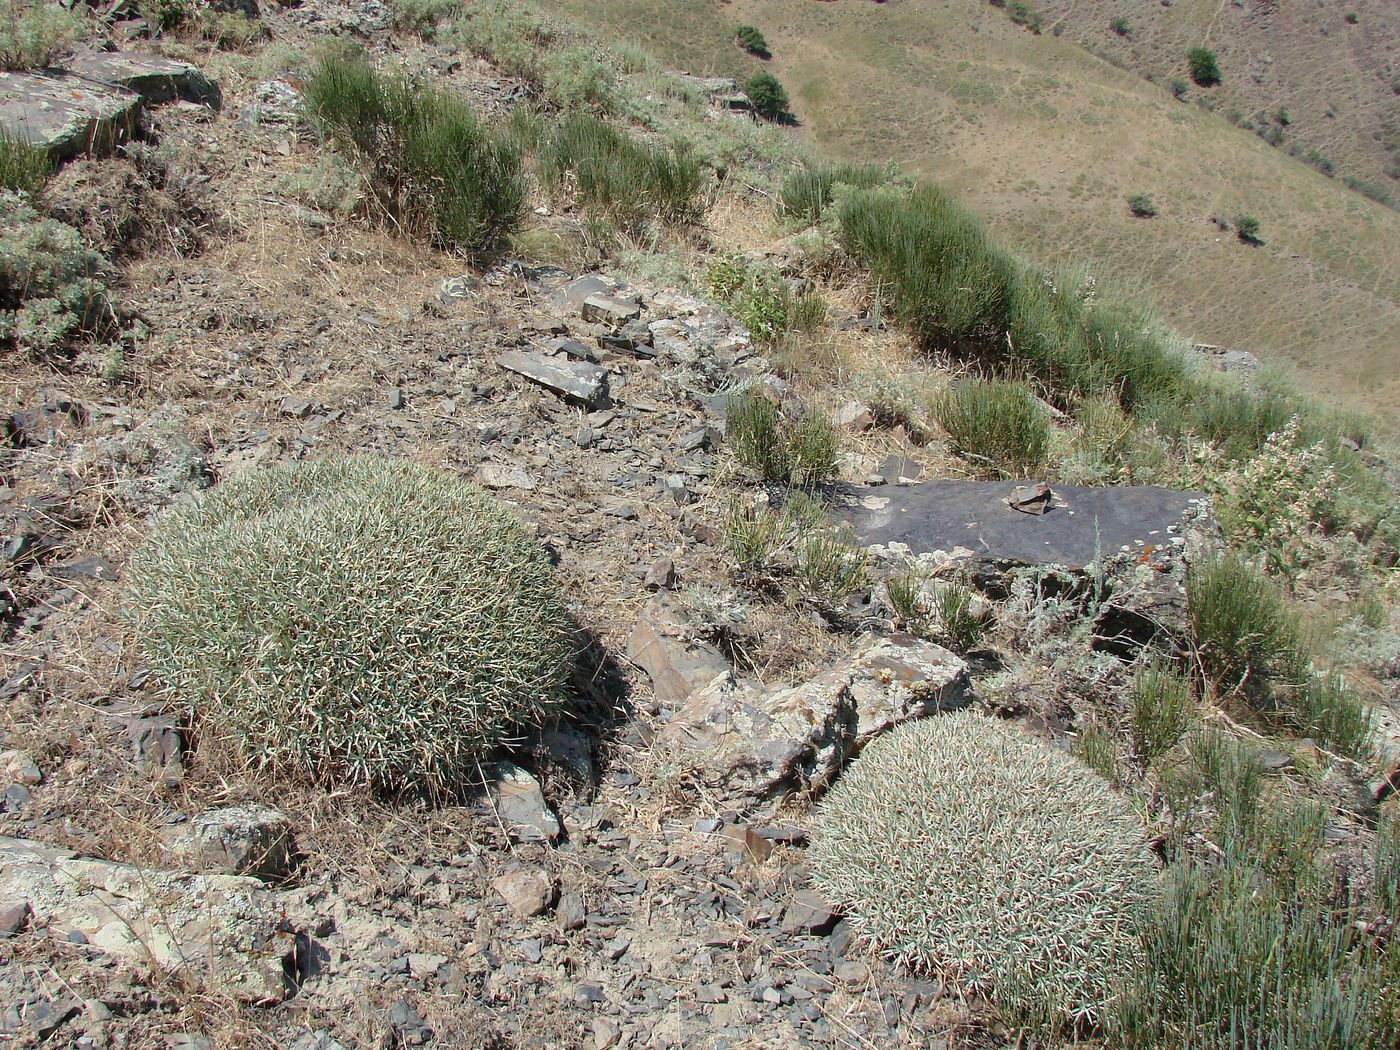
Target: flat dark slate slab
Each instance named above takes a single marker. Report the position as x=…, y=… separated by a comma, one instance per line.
x=1081, y=524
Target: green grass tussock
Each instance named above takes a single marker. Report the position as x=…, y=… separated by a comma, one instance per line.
x=1250, y=643
x=964, y=847
x=631, y=182
x=997, y=425
x=1253, y=946
x=23, y=168
x=808, y=191
x=410, y=625
x=434, y=169
x=803, y=450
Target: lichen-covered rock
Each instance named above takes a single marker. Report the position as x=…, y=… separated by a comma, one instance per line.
x=749, y=744
x=220, y=932
x=235, y=840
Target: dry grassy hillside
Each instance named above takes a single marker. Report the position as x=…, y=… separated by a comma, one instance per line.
x=1045, y=141
x=1324, y=76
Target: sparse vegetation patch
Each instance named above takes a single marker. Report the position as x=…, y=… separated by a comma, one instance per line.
x=435, y=170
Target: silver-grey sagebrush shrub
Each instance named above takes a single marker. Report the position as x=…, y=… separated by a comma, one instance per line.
x=966, y=848
x=357, y=620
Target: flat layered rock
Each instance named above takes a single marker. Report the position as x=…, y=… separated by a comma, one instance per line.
x=663, y=644
x=1138, y=541
x=221, y=932
x=575, y=381
x=154, y=78
x=1077, y=526
x=65, y=114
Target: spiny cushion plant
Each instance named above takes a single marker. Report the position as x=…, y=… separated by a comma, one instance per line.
x=356, y=620
x=964, y=847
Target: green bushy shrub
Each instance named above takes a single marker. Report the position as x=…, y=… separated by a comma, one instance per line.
x=53, y=287
x=767, y=96
x=1244, y=631
x=751, y=40
x=1203, y=66
x=356, y=621
x=1141, y=205
x=962, y=846
x=996, y=424
x=1023, y=14
x=1247, y=227
x=632, y=182
x=808, y=191
x=791, y=451
x=434, y=170
x=23, y=168
x=33, y=33
x=422, y=17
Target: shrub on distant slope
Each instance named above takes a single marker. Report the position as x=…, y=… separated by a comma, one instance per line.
x=751, y=40
x=1204, y=68
x=966, y=848
x=357, y=620
x=1140, y=204
x=434, y=169
x=767, y=96
x=1247, y=227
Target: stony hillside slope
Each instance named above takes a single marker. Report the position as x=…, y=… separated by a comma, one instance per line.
x=817, y=538
x=1046, y=142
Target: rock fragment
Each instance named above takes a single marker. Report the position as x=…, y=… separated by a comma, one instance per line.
x=527, y=892
x=221, y=932
x=236, y=840
x=580, y=383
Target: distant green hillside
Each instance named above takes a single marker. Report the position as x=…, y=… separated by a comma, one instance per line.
x=1046, y=141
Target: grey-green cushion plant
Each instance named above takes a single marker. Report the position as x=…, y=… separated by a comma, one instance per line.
x=356, y=620
x=964, y=847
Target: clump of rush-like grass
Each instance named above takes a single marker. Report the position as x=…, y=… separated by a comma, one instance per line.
x=1249, y=644
x=799, y=450
x=633, y=183
x=808, y=191
x=24, y=168
x=1251, y=947
x=997, y=425
x=434, y=169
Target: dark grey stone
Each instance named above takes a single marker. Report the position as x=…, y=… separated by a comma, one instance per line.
x=1081, y=524
x=154, y=78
